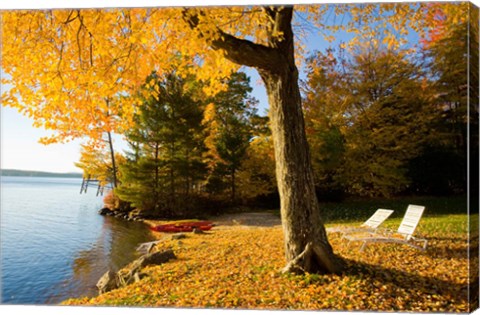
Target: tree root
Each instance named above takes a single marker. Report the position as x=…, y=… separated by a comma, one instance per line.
x=314, y=259
x=295, y=265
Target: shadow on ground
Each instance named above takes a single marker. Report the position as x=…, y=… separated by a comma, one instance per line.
x=250, y=219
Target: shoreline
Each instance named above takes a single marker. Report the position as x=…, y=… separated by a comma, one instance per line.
x=243, y=220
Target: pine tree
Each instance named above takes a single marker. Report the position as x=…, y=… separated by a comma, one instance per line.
x=167, y=145
x=230, y=133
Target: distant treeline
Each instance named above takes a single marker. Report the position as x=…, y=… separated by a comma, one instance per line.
x=38, y=174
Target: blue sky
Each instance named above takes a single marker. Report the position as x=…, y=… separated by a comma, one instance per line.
x=19, y=140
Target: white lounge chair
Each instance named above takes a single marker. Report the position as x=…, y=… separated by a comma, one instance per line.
x=404, y=234
x=368, y=226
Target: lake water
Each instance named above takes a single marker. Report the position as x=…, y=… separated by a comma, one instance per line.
x=54, y=245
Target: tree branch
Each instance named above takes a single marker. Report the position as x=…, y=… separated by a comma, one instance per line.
x=237, y=50
x=247, y=53
x=281, y=35
x=70, y=18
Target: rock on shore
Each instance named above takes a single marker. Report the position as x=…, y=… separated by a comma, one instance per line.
x=111, y=280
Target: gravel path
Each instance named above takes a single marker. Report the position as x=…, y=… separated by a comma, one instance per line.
x=247, y=219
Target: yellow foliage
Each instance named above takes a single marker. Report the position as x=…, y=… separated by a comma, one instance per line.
x=212, y=127
x=67, y=67
x=96, y=163
x=239, y=267
x=256, y=175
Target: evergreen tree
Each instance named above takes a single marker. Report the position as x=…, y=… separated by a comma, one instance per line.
x=167, y=146
x=441, y=168
x=230, y=131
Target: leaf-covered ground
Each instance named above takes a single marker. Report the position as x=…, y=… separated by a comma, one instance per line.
x=238, y=267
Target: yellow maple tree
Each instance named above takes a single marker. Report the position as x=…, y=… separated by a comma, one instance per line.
x=69, y=70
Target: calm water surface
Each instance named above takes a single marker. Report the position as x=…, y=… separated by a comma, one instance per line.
x=54, y=245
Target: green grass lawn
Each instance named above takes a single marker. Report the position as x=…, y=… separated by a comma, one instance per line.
x=354, y=210
x=442, y=214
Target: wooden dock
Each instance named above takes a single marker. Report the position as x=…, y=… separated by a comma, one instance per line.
x=88, y=182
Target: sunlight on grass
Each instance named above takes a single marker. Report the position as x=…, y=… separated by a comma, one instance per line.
x=351, y=211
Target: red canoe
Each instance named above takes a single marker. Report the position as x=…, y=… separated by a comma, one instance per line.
x=183, y=227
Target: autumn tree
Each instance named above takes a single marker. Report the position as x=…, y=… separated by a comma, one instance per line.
x=64, y=64
x=442, y=166
x=391, y=120
x=99, y=162
x=228, y=123
x=256, y=175
x=326, y=99
x=370, y=113
x=96, y=164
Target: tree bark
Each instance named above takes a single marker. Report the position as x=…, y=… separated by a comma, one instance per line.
x=187, y=177
x=300, y=211
x=232, y=184
x=306, y=244
x=112, y=155
x=157, y=172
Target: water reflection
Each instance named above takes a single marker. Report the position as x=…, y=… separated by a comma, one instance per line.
x=113, y=249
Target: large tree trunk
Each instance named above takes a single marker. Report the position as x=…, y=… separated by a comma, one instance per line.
x=306, y=244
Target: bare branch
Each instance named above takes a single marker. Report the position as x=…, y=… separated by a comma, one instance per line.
x=78, y=42
x=71, y=18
